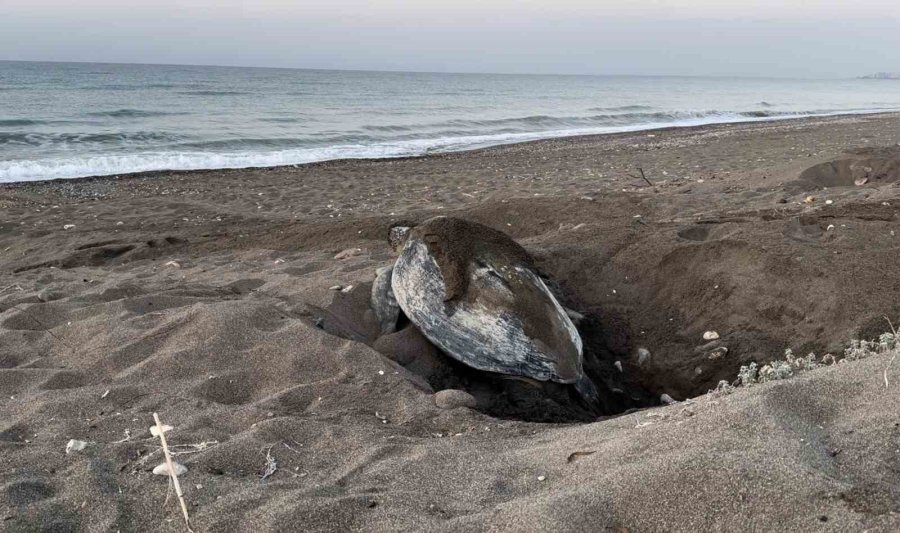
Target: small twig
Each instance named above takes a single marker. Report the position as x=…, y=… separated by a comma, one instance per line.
x=642, y=176
x=893, y=330
x=896, y=349
x=14, y=285
x=645, y=176
x=289, y=447
x=192, y=448
x=126, y=439
x=271, y=465
x=171, y=465
x=888, y=367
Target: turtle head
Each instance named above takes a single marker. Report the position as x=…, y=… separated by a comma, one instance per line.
x=397, y=236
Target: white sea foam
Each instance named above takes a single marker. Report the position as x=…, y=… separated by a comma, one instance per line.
x=106, y=165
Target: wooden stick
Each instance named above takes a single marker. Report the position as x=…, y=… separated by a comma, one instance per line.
x=645, y=177
x=171, y=465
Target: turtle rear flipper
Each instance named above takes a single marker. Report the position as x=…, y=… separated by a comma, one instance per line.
x=588, y=391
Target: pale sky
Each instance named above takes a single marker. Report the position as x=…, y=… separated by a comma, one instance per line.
x=824, y=38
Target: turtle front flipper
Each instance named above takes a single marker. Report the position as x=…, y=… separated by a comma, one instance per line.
x=383, y=302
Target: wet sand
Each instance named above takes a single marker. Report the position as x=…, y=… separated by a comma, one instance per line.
x=197, y=295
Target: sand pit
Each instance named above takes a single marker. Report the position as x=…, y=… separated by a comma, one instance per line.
x=212, y=304
x=862, y=167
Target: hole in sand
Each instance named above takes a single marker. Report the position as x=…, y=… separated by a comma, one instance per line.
x=866, y=166
x=350, y=317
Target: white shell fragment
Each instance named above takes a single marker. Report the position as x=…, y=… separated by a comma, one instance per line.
x=155, y=430
x=163, y=469
x=710, y=336
x=348, y=253
x=75, y=446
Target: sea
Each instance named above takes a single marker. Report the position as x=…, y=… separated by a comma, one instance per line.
x=67, y=120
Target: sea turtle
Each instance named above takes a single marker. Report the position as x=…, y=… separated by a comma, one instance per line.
x=472, y=291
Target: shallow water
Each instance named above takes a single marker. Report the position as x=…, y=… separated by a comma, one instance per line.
x=64, y=120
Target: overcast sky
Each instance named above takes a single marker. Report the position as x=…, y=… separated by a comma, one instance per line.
x=816, y=38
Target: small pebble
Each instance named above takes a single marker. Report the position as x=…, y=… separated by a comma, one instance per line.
x=542, y=478
x=710, y=336
x=666, y=399
x=643, y=356
x=76, y=446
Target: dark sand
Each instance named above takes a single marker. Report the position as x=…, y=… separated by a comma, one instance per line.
x=195, y=295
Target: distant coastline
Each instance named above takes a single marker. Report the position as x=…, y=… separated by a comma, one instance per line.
x=882, y=76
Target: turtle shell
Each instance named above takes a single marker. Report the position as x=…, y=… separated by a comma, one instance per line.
x=472, y=292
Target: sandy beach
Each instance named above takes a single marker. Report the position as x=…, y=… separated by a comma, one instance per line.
x=209, y=297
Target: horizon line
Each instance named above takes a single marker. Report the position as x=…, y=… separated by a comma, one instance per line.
x=395, y=71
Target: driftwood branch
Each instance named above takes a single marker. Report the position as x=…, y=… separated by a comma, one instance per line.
x=642, y=176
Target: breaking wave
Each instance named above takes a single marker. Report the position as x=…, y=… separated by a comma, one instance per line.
x=247, y=153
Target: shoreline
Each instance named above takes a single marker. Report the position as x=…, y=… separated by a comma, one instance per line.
x=575, y=138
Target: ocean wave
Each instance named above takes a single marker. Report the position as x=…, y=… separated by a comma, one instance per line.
x=285, y=120
x=256, y=152
x=549, y=122
x=388, y=128
x=111, y=87
x=12, y=123
x=99, y=139
x=131, y=113
x=212, y=93
x=202, y=157
x=622, y=108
